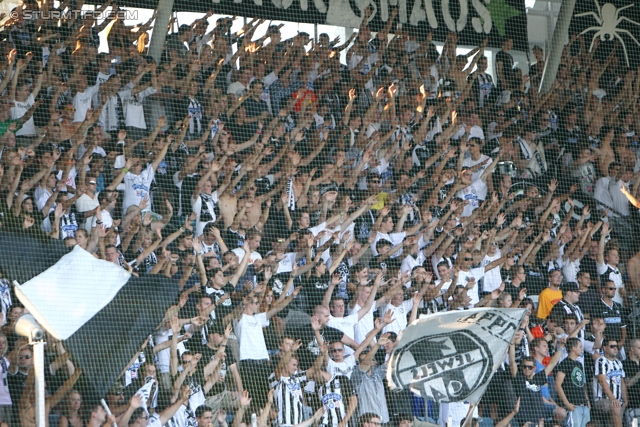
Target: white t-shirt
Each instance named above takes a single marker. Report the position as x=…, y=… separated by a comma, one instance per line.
x=5, y=397
x=468, y=163
x=365, y=325
x=164, y=356
x=343, y=368
x=251, y=338
x=107, y=221
x=400, y=313
x=463, y=278
x=472, y=193
x=237, y=89
x=409, y=262
x=204, y=210
x=492, y=278
x=254, y=255
x=133, y=111
x=615, y=276
x=347, y=325
x=100, y=79
x=18, y=110
x=82, y=103
x=41, y=198
x=85, y=203
x=395, y=238
x=71, y=179
x=267, y=81
x=286, y=264
x=136, y=188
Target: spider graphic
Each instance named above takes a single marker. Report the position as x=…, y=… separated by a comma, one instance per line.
x=608, y=19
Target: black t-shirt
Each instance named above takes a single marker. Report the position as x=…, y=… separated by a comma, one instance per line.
x=529, y=392
x=514, y=291
x=570, y=139
x=588, y=300
x=574, y=382
x=314, y=289
x=16, y=384
x=310, y=349
x=631, y=368
x=189, y=184
x=208, y=354
x=507, y=66
x=241, y=133
x=233, y=239
x=613, y=319
x=227, y=306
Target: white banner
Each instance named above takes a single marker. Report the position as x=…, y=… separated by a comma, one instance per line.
x=451, y=356
x=71, y=292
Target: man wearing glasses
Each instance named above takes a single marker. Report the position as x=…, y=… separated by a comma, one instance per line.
x=611, y=312
x=609, y=388
x=528, y=385
x=20, y=363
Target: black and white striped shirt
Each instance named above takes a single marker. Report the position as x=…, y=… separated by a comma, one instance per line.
x=334, y=396
x=288, y=397
x=613, y=371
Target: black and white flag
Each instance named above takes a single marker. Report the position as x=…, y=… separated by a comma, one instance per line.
x=603, y=24
x=451, y=356
x=101, y=312
x=471, y=20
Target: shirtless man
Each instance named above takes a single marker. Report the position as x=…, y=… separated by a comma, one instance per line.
x=458, y=73
x=68, y=128
x=633, y=269
x=27, y=405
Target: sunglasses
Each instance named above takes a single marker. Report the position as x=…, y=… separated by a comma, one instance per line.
x=337, y=350
x=27, y=356
x=528, y=367
x=468, y=259
x=613, y=346
x=610, y=289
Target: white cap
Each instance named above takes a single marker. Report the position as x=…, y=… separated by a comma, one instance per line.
x=119, y=162
x=599, y=93
x=503, y=98
x=476, y=132
x=371, y=129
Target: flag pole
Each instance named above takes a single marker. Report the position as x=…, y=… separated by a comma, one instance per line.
x=107, y=410
x=26, y=326
x=38, y=366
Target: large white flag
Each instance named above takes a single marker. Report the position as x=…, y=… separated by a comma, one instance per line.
x=451, y=356
x=68, y=294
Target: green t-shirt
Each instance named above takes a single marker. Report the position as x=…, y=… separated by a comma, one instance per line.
x=5, y=125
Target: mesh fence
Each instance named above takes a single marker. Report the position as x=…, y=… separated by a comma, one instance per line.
x=267, y=226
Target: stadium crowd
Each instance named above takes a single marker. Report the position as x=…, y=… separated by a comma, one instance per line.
x=309, y=210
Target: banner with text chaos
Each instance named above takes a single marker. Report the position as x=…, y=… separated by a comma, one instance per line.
x=605, y=24
x=472, y=20
x=451, y=356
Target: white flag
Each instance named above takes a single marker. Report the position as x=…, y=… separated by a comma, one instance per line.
x=68, y=294
x=451, y=356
